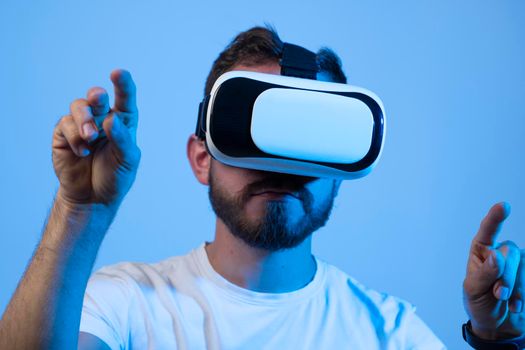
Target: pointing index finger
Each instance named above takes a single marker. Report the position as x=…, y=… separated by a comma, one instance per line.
x=491, y=224
x=125, y=91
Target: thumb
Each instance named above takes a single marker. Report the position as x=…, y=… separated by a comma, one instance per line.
x=120, y=138
x=482, y=280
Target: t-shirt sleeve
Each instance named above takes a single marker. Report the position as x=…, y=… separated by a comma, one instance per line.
x=106, y=308
x=419, y=336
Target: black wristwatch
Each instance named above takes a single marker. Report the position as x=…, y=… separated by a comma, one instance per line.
x=481, y=344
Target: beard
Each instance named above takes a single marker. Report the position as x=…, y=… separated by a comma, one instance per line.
x=277, y=228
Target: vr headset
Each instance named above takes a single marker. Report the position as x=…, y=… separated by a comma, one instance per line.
x=292, y=123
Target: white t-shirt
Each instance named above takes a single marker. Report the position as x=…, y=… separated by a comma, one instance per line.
x=182, y=303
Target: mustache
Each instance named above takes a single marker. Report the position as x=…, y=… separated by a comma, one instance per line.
x=284, y=182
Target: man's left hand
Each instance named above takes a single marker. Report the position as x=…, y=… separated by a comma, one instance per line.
x=493, y=290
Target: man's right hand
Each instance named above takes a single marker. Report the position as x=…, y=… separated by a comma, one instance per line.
x=95, y=157
x=95, y=154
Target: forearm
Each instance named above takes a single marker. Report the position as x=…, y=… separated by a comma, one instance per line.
x=46, y=307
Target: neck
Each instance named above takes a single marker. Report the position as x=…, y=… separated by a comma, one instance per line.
x=258, y=269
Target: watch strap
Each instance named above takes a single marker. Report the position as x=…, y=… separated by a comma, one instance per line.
x=481, y=344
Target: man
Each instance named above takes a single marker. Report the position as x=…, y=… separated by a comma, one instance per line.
x=256, y=285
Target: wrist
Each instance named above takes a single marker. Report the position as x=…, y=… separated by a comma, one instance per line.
x=69, y=204
x=73, y=224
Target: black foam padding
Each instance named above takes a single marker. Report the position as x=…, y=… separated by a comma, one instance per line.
x=230, y=123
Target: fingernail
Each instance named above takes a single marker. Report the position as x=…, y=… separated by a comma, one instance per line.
x=492, y=260
x=503, y=293
x=88, y=130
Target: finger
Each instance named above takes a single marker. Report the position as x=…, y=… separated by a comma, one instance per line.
x=482, y=280
x=120, y=138
x=125, y=91
x=491, y=224
x=504, y=286
x=69, y=137
x=98, y=99
x=83, y=117
x=516, y=299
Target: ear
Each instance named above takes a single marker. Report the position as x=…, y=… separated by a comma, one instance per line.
x=199, y=158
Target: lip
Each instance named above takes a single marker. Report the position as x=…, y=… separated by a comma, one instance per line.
x=276, y=193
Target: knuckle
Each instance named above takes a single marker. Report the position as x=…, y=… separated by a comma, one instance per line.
x=95, y=91
x=509, y=248
x=514, y=250
x=511, y=244
x=69, y=128
x=77, y=104
x=74, y=104
x=67, y=119
x=62, y=120
x=467, y=287
x=67, y=125
x=98, y=97
x=71, y=135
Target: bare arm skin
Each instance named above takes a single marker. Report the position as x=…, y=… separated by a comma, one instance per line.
x=96, y=167
x=45, y=309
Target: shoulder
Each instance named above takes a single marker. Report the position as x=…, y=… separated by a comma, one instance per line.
x=394, y=318
x=344, y=283
x=129, y=273
x=115, y=291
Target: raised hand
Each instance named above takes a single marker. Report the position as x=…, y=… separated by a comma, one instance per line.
x=493, y=289
x=95, y=155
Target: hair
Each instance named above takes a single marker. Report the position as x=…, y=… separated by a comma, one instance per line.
x=261, y=45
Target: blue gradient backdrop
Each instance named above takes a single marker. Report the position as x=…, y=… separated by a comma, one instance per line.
x=450, y=73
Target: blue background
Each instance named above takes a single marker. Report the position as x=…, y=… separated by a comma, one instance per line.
x=450, y=73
